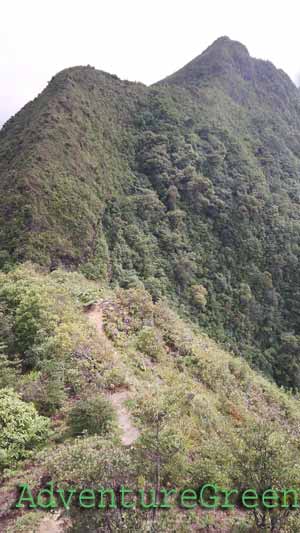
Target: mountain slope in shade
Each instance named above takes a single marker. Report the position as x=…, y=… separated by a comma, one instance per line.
x=191, y=187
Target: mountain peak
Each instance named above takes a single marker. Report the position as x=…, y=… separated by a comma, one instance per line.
x=221, y=58
x=227, y=65
x=225, y=43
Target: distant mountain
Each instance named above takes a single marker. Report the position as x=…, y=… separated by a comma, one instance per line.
x=191, y=187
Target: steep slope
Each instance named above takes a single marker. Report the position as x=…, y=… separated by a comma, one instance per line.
x=226, y=170
x=129, y=433
x=204, y=416
x=60, y=158
x=191, y=187
x=248, y=81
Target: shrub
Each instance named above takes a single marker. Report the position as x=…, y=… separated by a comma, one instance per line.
x=91, y=462
x=94, y=416
x=9, y=370
x=265, y=458
x=150, y=342
x=115, y=377
x=199, y=295
x=21, y=428
x=47, y=392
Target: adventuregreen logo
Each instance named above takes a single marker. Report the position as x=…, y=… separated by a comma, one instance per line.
x=208, y=496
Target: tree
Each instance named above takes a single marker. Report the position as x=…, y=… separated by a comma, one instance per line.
x=21, y=428
x=162, y=447
x=267, y=459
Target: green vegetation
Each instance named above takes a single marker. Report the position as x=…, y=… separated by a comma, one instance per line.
x=175, y=209
x=93, y=416
x=21, y=428
x=190, y=187
x=260, y=467
x=204, y=416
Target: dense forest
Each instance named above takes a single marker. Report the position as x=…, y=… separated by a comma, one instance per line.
x=190, y=187
x=149, y=249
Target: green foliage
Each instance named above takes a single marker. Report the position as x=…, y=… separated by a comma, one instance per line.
x=195, y=406
x=92, y=416
x=188, y=186
x=66, y=464
x=43, y=329
x=30, y=316
x=265, y=458
x=104, y=465
x=9, y=369
x=47, y=391
x=21, y=428
x=150, y=342
x=163, y=447
x=188, y=191
x=199, y=295
x=137, y=311
x=115, y=377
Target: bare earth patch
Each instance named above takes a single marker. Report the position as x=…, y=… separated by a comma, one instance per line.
x=129, y=432
x=52, y=524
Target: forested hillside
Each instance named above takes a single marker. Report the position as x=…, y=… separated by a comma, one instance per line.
x=150, y=294
x=190, y=187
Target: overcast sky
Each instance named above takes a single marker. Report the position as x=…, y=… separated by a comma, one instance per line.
x=139, y=40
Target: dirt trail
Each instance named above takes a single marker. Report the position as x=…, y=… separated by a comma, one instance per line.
x=52, y=525
x=129, y=432
x=95, y=315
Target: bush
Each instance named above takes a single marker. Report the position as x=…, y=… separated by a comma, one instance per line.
x=47, y=392
x=9, y=371
x=199, y=294
x=94, y=416
x=115, y=377
x=21, y=428
x=266, y=457
x=150, y=343
x=91, y=462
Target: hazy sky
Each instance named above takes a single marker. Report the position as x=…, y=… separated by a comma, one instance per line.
x=142, y=40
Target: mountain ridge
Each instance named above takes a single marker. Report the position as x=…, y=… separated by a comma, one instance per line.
x=150, y=294
x=231, y=62
x=192, y=191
